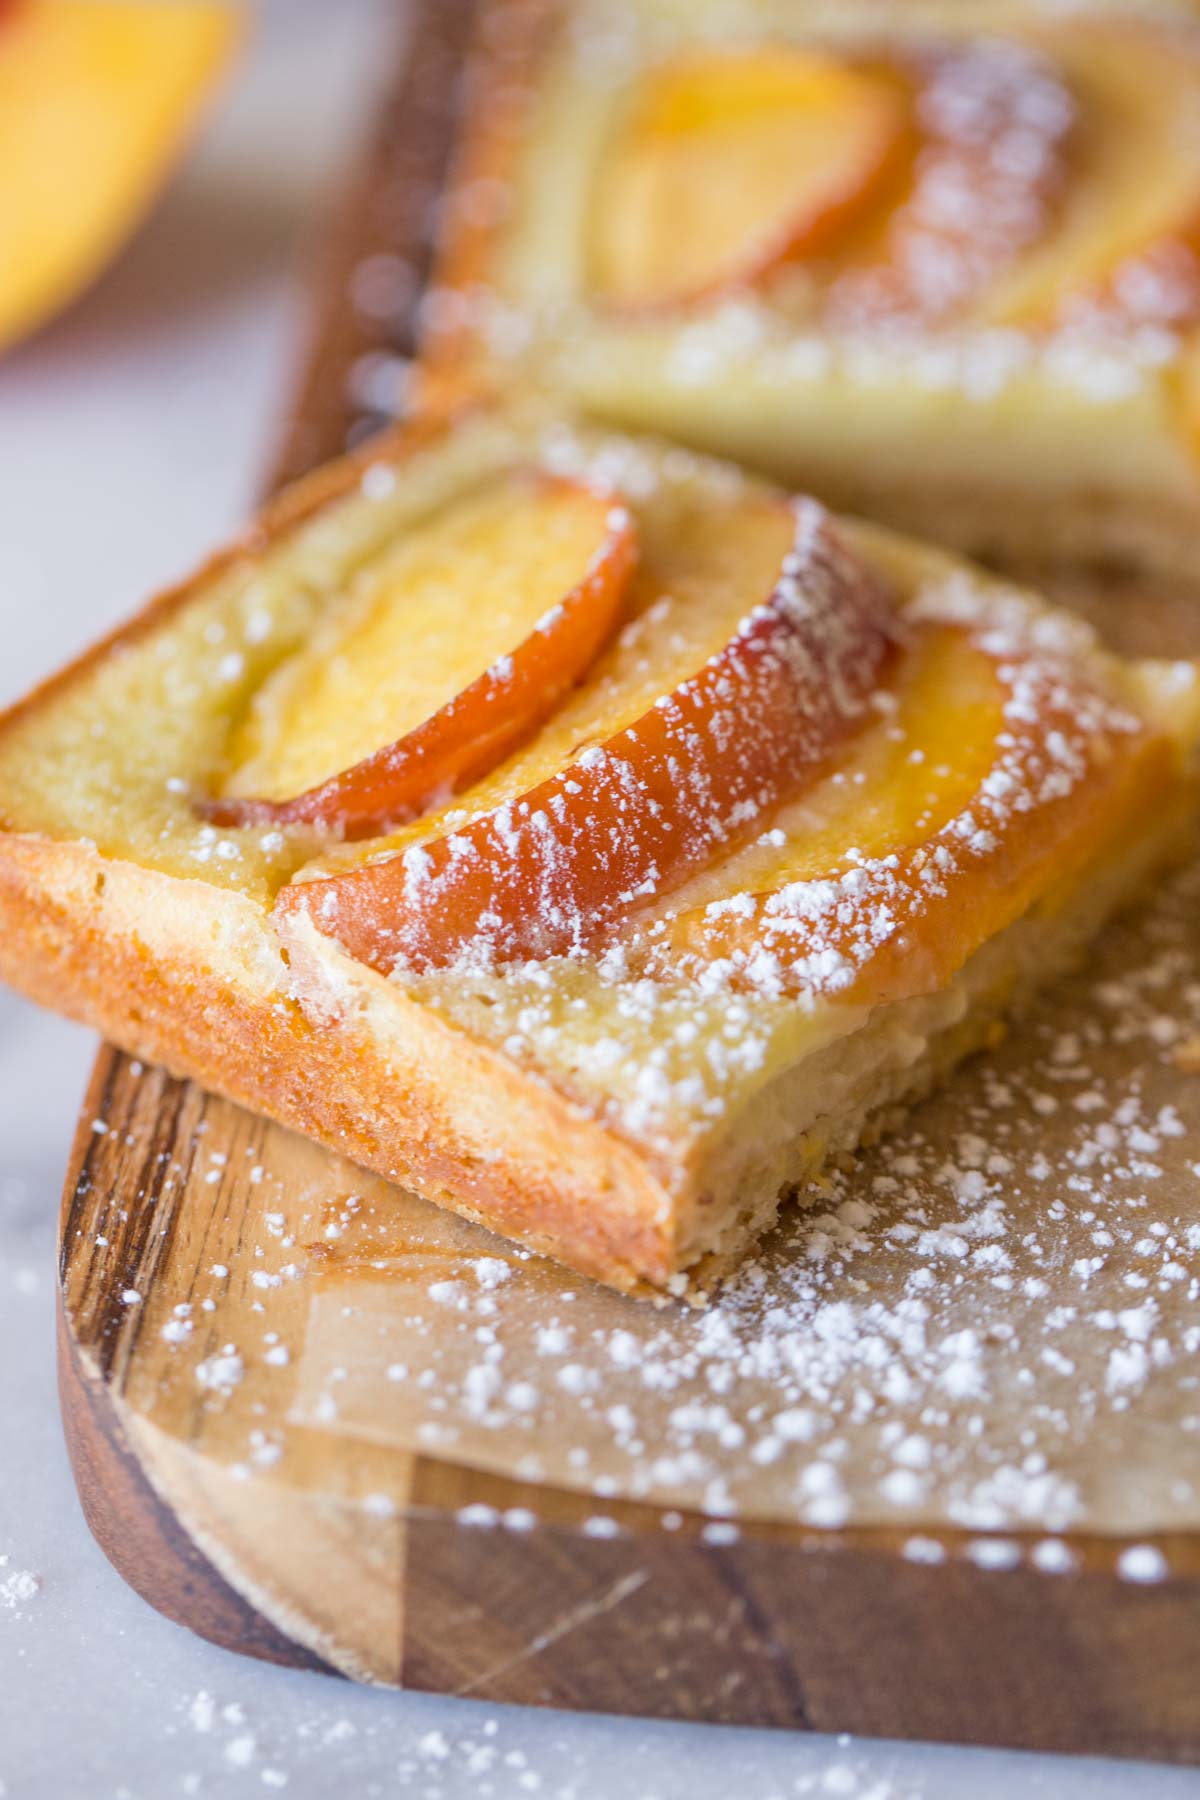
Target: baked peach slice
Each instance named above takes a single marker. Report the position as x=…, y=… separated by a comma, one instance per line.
x=1001, y=773
x=671, y=761
x=730, y=163
x=97, y=98
x=450, y=656
x=993, y=125
x=1135, y=175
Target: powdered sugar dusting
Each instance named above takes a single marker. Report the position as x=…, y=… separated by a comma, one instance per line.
x=994, y=118
x=670, y=1026
x=549, y=871
x=1058, y=730
x=989, y=1322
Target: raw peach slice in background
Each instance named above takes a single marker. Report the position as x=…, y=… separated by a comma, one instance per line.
x=453, y=654
x=729, y=163
x=96, y=100
x=659, y=783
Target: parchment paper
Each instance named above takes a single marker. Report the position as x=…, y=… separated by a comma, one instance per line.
x=991, y=1321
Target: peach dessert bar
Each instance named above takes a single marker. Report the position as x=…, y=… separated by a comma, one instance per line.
x=937, y=263
x=586, y=834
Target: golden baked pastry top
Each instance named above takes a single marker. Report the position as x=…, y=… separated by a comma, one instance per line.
x=794, y=760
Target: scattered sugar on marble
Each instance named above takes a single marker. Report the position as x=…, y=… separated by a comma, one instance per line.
x=18, y=1587
x=450, y=1752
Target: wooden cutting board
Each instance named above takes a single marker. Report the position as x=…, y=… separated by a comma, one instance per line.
x=277, y=1440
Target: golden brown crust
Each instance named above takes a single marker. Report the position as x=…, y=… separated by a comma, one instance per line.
x=188, y=975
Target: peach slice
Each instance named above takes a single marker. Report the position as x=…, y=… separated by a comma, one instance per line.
x=487, y=616
x=96, y=100
x=1135, y=177
x=557, y=865
x=914, y=764
x=891, y=898
x=993, y=122
x=729, y=163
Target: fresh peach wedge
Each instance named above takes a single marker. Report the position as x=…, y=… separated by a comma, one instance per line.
x=97, y=98
x=999, y=764
x=730, y=163
x=487, y=616
x=684, y=778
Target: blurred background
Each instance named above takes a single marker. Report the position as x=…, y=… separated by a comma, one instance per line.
x=135, y=427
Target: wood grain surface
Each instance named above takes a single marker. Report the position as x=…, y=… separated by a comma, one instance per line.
x=392, y=1564
x=398, y=1567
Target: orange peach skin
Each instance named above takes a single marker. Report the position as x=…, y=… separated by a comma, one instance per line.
x=948, y=895
x=634, y=816
x=475, y=730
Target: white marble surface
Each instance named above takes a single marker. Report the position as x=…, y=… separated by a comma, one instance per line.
x=130, y=435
